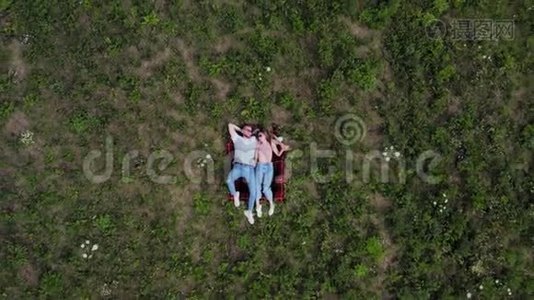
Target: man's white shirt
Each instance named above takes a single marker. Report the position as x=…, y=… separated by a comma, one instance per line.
x=244, y=150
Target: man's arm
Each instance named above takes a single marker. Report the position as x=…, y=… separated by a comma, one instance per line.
x=233, y=130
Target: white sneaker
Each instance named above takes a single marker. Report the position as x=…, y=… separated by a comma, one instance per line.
x=236, y=199
x=271, y=208
x=249, y=216
x=258, y=210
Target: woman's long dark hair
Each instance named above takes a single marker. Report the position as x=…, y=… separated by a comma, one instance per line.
x=262, y=130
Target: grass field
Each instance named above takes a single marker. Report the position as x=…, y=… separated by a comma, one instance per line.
x=151, y=85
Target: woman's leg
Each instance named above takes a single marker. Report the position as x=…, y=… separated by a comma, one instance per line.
x=259, y=175
x=267, y=181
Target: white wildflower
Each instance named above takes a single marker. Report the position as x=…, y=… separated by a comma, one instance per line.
x=446, y=200
x=90, y=256
x=280, y=139
x=497, y=281
x=95, y=247
x=397, y=154
x=208, y=156
x=105, y=291
x=84, y=255
x=469, y=295
x=26, y=137
x=384, y=154
x=87, y=242
x=435, y=203
x=481, y=287
x=26, y=38
x=82, y=246
x=268, y=69
x=387, y=158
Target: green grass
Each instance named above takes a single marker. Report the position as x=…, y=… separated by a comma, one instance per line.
x=170, y=76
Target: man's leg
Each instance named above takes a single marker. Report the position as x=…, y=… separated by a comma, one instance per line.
x=250, y=176
x=251, y=182
x=234, y=174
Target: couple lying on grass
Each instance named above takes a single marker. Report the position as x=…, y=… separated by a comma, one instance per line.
x=253, y=153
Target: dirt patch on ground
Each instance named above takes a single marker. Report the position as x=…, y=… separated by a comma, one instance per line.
x=148, y=66
x=357, y=29
x=224, y=44
x=17, y=67
x=302, y=86
x=297, y=86
x=374, y=125
x=29, y=275
x=311, y=189
x=222, y=88
x=17, y=124
x=454, y=106
x=280, y=115
x=181, y=200
x=380, y=203
x=189, y=59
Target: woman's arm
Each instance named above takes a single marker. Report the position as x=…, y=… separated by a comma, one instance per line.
x=283, y=147
x=274, y=139
x=275, y=149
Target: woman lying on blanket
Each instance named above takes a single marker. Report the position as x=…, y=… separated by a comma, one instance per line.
x=267, y=144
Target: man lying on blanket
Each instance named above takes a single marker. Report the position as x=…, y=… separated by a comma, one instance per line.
x=243, y=166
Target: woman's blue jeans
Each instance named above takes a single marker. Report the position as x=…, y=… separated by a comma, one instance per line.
x=264, y=178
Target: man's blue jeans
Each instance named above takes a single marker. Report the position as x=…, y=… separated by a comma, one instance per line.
x=247, y=172
x=264, y=178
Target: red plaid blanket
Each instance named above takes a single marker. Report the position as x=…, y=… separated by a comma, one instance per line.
x=278, y=185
